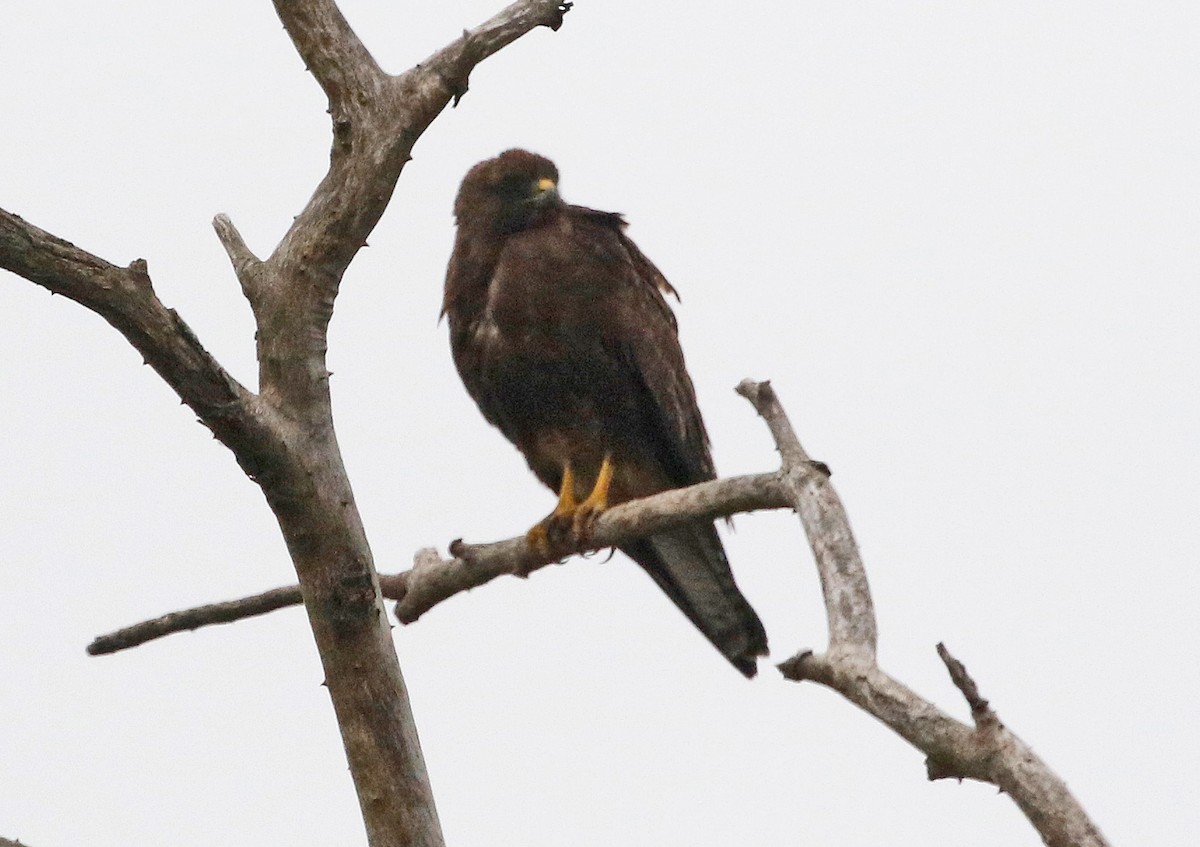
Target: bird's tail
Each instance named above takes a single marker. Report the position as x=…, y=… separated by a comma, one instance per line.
x=689, y=564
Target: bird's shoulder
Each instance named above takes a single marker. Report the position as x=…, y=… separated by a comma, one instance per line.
x=581, y=240
x=572, y=235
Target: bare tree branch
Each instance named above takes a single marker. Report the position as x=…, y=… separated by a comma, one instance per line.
x=848, y=602
x=433, y=579
x=444, y=75
x=190, y=619
x=283, y=437
x=987, y=751
x=125, y=298
x=331, y=50
x=981, y=712
x=246, y=266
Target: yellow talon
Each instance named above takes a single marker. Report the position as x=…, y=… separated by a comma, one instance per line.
x=566, y=496
x=569, y=526
x=587, y=512
x=546, y=535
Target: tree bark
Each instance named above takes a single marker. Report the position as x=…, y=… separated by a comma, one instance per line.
x=283, y=435
x=283, y=438
x=987, y=751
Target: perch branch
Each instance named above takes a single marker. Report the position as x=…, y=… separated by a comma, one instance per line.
x=433, y=579
x=987, y=751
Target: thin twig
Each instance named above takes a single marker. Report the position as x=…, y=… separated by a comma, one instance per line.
x=443, y=77
x=981, y=710
x=246, y=266
x=190, y=619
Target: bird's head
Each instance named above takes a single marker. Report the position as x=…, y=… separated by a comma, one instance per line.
x=508, y=193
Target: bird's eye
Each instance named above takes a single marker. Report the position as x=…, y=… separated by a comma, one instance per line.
x=515, y=187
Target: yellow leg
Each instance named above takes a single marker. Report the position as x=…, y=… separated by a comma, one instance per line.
x=587, y=512
x=566, y=495
x=540, y=534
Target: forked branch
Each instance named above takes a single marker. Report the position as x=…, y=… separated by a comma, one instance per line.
x=283, y=436
x=433, y=579
x=986, y=751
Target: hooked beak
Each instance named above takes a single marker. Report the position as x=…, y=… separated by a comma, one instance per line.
x=547, y=194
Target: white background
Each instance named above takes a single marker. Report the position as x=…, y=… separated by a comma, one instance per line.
x=961, y=239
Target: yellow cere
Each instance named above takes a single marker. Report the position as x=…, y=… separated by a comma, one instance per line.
x=545, y=184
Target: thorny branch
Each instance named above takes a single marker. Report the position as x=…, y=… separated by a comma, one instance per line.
x=283, y=436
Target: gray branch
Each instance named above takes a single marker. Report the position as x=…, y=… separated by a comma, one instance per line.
x=848, y=603
x=187, y=620
x=283, y=436
x=988, y=751
x=433, y=579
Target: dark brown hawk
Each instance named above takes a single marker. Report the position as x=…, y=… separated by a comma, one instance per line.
x=562, y=335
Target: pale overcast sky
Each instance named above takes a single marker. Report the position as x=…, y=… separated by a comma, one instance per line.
x=961, y=239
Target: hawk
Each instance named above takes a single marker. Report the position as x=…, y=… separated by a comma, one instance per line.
x=561, y=332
